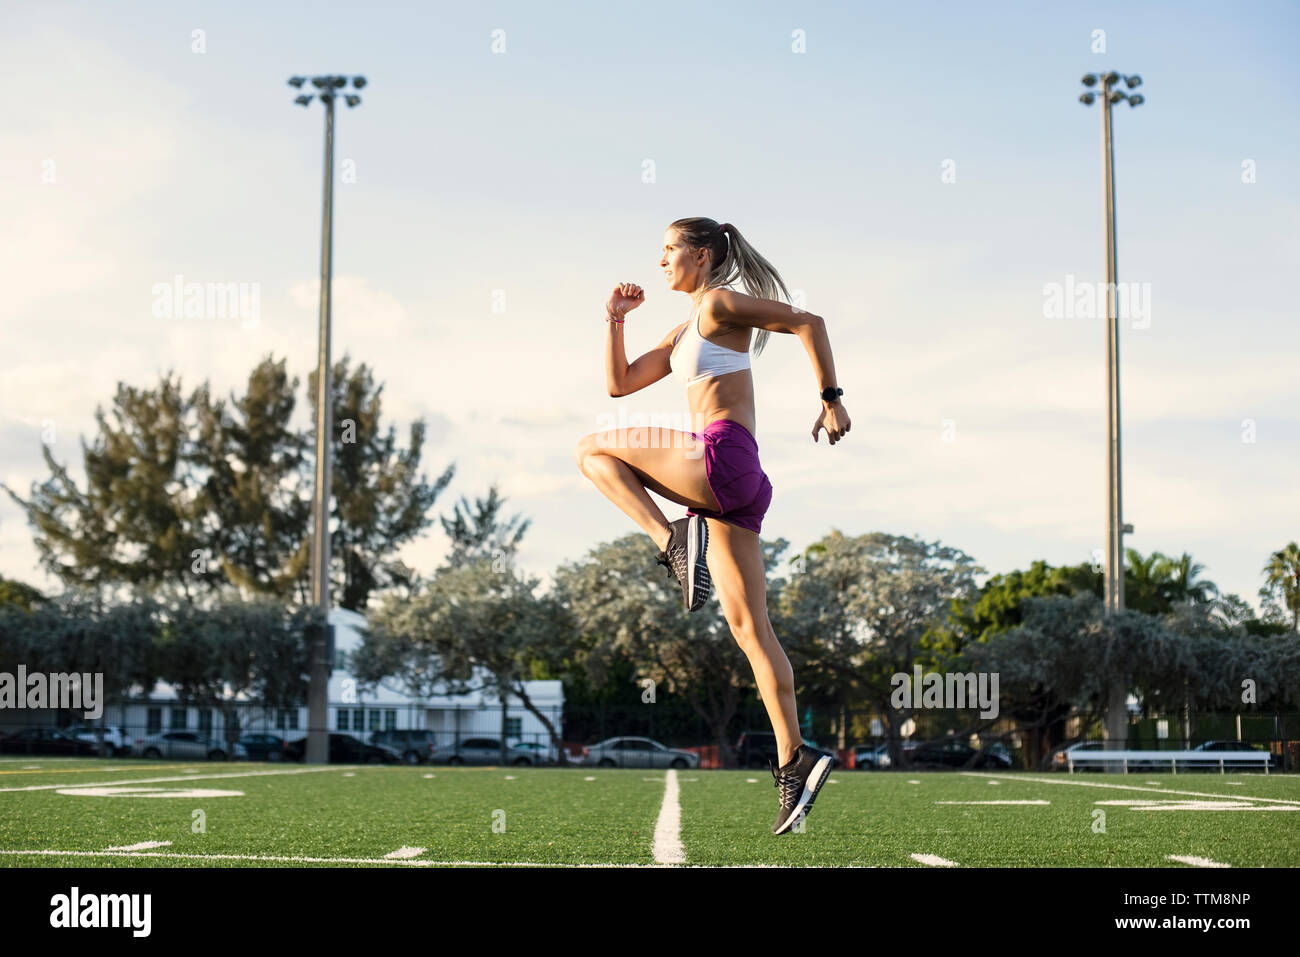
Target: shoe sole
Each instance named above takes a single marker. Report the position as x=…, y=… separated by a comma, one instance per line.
x=816, y=779
x=697, y=541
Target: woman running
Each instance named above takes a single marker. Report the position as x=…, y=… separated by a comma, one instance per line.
x=710, y=354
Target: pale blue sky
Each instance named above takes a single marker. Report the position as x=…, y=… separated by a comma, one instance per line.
x=521, y=171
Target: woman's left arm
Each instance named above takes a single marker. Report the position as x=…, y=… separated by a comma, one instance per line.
x=727, y=305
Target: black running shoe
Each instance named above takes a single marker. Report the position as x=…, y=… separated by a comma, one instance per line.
x=684, y=559
x=798, y=783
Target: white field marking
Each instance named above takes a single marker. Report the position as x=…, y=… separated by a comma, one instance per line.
x=934, y=860
x=350, y=774
x=403, y=853
x=1235, y=784
x=509, y=777
x=1156, y=783
x=427, y=776
x=184, y=777
x=142, y=846
x=589, y=779
x=747, y=780
x=833, y=781
x=1194, y=861
x=359, y=860
x=993, y=802
x=653, y=779
x=37, y=767
x=668, y=837
x=995, y=782
x=1175, y=804
x=150, y=792
x=1134, y=787
x=192, y=771
x=913, y=781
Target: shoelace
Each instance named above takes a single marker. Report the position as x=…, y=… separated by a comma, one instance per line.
x=790, y=785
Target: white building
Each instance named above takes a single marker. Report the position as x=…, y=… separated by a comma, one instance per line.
x=350, y=710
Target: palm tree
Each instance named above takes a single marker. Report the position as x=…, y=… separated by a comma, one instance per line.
x=1144, y=586
x=1183, y=572
x=1282, y=578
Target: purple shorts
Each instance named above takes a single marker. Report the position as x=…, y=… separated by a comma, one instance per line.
x=734, y=474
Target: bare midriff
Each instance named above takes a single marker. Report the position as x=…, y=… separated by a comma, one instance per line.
x=727, y=396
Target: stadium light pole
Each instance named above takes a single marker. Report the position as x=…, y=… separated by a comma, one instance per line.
x=329, y=88
x=1110, y=94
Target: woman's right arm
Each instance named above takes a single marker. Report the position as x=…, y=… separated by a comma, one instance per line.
x=624, y=378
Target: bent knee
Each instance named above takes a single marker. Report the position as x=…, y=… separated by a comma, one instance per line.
x=586, y=446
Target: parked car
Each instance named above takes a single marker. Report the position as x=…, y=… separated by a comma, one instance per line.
x=479, y=751
x=1058, y=759
x=871, y=757
x=46, y=741
x=345, y=749
x=952, y=753
x=637, y=753
x=754, y=749
x=186, y=744
x=119, y=741
x=1274, y=760
x=259, y=746
x=412, y=745
x=539, y=753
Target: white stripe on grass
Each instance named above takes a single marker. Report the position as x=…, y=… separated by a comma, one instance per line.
x=934, y=860
x=1195, y=861
x=183, y=777
x=399, y=862
x=404, y=853
x=1129, y=787
x=668, y=837
x=142, y=846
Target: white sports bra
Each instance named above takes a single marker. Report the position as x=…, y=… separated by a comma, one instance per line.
x=700, y=359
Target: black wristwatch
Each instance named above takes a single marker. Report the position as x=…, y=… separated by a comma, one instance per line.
x=831, y=393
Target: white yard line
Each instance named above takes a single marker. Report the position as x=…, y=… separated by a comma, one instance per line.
x=343, y=860
x=934, y=860
x=668, y=837
x=1133, y=787
x=1195, y=861
x=142, y=846
x=183, y=777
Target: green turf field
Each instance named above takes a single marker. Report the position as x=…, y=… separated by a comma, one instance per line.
x=358, y=816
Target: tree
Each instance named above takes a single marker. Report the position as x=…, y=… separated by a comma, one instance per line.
x=1282, y=583
x=868, y=607
x=196, y=496
x=13, y=592
x=1039, y=709
x=137, y=520
x=76, y=633
x=621, y=609
x=234, y=652
x=480, y=618
x=480, y=533
x=381, y=501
